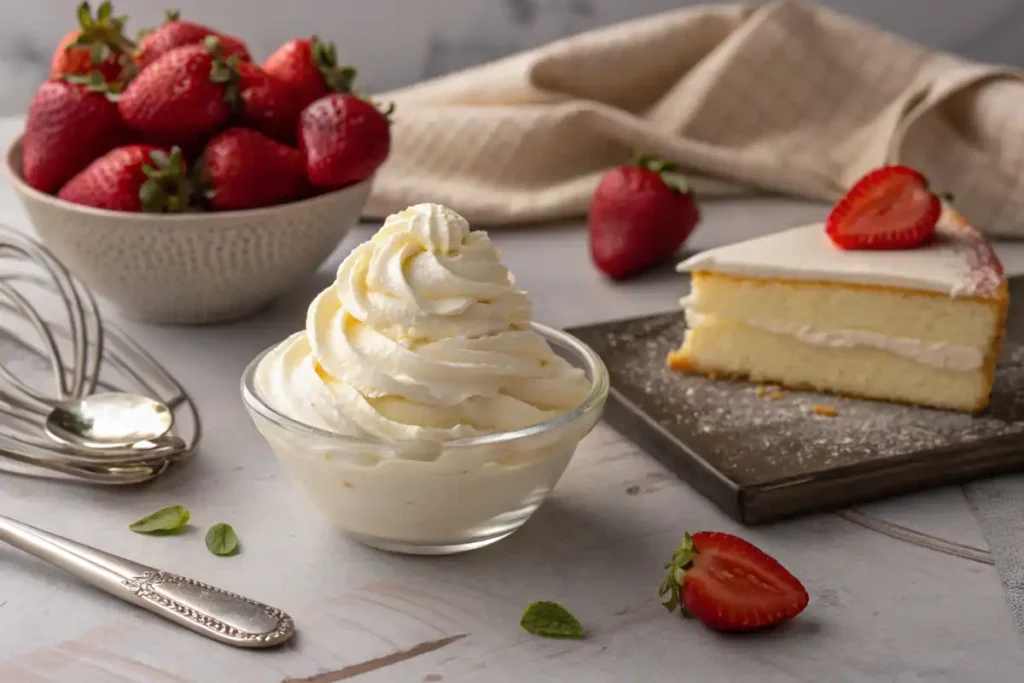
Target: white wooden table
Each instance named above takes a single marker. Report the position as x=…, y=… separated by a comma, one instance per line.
x=881, y=609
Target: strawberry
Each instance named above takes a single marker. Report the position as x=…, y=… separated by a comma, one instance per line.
x=639, y=216
x=177, y=32
x=68, y=126
x=180, y=95
x=266, y=103
x=309, y=66
x=889, y=208
x=730, y=584
x=344, y=139
x=97, y=44
x=244, y=169
x=132, y=178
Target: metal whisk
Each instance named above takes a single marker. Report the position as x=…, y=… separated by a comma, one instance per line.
x=54, y=346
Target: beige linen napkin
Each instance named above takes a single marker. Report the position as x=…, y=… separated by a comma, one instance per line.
x=789, y=97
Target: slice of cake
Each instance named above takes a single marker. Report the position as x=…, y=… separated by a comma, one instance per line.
x=920, y=325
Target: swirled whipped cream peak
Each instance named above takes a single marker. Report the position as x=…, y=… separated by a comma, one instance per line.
x=422, y=335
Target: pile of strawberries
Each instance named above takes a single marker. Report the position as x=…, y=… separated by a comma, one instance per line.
x=181, y=119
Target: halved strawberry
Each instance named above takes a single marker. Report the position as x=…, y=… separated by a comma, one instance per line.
x=730, y=584
x=889, y=208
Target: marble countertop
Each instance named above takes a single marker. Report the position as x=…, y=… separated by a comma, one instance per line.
x=881, y=610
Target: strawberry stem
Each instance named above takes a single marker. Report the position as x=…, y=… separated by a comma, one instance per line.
x=95, y=82
x=386, y=112
x=668, y=170
x=325, y=56
x=675, y=575
x=225, y=72
x=166, y=189
x=103, y=34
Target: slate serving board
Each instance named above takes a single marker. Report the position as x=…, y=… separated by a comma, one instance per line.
x=762, y=455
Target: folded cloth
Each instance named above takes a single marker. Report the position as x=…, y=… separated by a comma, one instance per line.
x=997, y=503
x=790, y=97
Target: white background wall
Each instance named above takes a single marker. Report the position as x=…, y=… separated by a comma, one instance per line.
x=396, y=42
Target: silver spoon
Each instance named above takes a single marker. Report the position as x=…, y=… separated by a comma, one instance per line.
x=108, y=420
x=207, y=610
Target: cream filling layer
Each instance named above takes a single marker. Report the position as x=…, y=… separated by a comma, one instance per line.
x=936, y=354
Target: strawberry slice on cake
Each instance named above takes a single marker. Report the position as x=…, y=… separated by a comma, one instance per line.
x=896, y=297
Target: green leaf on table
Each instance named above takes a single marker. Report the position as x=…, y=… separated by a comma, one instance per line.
x=166, y=520
x=221, y=540
x=551, y=620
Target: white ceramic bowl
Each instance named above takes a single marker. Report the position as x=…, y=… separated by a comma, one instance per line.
x=190, y=268
x=426, y=498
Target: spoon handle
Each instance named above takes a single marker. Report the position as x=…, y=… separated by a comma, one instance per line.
x=210, y=611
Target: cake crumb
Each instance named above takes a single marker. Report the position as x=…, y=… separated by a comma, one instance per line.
x=776, y=394
x=827, y=411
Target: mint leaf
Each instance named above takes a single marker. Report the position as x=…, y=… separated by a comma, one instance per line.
x=551, y=620
x=167, y=520
x=221, y=540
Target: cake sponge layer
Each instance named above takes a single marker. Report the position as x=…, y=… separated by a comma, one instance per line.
x=892, y=312
x=724, y=347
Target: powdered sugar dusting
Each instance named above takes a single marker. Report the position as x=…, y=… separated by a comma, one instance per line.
x=757, y=436
x=985, y=275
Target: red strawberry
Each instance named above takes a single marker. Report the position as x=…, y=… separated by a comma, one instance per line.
x=68, y=126
x=244, y=169
x=267, y=104
x=730, y=584
x=639, y=217
x=177, y=32
x=133, y=178
x=344, y=139
x=180, y=95
x=98, y=44
x=889, y=208
x=309, y=66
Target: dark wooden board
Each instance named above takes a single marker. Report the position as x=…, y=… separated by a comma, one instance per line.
x=761, y=458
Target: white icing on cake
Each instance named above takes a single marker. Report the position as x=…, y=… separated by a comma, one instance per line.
x=957, y=261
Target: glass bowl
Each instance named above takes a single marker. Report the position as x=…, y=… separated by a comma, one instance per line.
x=433, y=498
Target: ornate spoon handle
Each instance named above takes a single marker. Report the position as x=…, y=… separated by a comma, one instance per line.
x=210, y=611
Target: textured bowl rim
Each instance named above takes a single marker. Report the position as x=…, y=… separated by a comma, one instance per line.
x=13, y=167
x=600, y=385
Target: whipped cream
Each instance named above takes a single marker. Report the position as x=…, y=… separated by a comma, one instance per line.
x=936, y=354
x=422, y=335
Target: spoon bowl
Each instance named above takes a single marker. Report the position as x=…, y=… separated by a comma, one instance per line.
x=108, y=420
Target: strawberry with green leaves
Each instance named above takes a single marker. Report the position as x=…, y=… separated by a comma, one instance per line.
x=192, y=91
x=244, y=169
x=68, y=126
x=309, y=66
x=179, y=96
x=133, y=178
x=344, y=139
x=639, y=216
x=889, y=208
x=177, y=32
x=729, y=584
x=98, y=44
